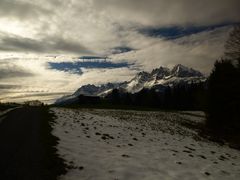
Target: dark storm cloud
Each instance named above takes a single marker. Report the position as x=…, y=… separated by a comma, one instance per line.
x=9, y=86
x=36, y=94
x=11, y=71
x=68, y=46
x=173, y=12
x=121, y=49
x=21, y=9
x=48, y=44
x=27, y=95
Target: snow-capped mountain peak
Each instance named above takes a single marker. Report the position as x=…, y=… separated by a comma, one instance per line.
x=158, y=79
x=161, y=72
x=137, y=83
x=183, y=71
x=142, y=75
x=88, y=89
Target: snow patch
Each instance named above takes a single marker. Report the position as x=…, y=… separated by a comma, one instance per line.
x=114, y=144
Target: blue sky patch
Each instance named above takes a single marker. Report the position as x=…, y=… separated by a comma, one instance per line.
x=175, y=32
x=75, y=67
x=92, y=58
x=121, y=49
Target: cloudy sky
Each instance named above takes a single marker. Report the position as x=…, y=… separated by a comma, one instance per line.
x=43, y=42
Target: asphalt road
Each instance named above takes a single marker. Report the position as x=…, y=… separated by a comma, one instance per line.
x=24, y=153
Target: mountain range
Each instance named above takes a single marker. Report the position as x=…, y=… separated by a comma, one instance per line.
x=158, y=79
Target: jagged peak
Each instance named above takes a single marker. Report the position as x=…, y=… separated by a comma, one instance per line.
x=160, y=70
x=89, y=85
x=142, y=73
x=159, y=77
x=180, y=70
x=180, y=66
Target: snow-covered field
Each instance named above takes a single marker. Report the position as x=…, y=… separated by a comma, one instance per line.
x=122, y=145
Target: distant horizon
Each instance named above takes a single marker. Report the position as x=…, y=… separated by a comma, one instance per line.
x=62, y=94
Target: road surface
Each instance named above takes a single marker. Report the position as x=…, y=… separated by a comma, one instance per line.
x=26, y=146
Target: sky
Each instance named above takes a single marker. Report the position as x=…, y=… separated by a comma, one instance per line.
x=49, y=48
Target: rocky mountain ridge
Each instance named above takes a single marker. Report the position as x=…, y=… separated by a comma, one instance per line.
x=157, y=79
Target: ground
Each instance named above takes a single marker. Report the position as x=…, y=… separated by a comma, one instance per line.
x=120, y=144
x=27, y=146
x=38, y=143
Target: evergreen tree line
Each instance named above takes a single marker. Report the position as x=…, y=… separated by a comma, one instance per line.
x=181, y=97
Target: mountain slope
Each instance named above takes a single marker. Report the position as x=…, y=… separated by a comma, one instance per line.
x=166, y=77
x=157, y=79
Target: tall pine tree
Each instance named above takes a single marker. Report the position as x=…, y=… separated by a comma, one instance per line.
x=224, y=88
